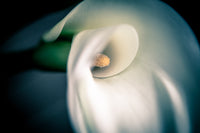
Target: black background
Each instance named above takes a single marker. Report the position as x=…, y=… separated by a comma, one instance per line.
x=18, y=14
x=15, y=15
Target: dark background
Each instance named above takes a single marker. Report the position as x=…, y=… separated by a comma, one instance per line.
x=18, y=14
x=15, y=14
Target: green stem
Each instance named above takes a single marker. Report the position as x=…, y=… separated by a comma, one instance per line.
x=52, y=55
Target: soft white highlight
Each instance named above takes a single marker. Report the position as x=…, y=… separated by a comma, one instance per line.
x=180, y=109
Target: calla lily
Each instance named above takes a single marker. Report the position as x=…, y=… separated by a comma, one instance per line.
x=150, y=83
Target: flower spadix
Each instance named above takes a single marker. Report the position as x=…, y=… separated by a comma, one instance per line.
x=101, y=61
x=152, y=76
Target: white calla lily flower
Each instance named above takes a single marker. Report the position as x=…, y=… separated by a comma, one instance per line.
x=152, y=74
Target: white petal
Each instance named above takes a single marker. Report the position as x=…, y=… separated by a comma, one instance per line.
x=165, y=70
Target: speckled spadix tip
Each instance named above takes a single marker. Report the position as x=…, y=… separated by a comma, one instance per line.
x=101, y=60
